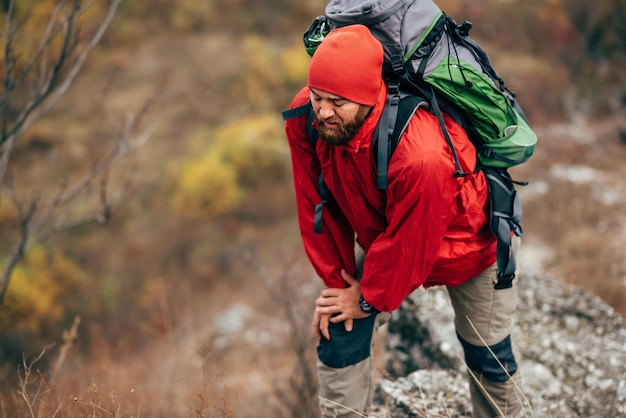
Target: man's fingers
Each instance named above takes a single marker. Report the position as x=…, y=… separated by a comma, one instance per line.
x=323, y=301
x=337, y=318
x=316, y=325
x=348, y=278
x=324, y=326
x=330, y=292
x=328, y=310
x=348, y=324
x=320, y=325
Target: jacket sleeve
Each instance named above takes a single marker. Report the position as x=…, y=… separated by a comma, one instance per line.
x=333, y=249
x=421, y=199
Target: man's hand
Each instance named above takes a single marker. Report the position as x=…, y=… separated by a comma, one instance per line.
x=337, y=305
x=320, y=325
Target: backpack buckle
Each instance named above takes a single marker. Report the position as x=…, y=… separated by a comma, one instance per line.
x=398, y=66
x=505, y=281
x=464, y=28
x=393, y=87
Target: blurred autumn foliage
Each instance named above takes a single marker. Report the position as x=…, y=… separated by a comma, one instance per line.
x=215, y=178
x=37, y=300
x=230, y=173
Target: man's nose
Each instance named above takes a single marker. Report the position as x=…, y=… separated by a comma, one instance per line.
x=326, y=111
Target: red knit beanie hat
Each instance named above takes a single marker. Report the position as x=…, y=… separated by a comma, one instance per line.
x=348, y=63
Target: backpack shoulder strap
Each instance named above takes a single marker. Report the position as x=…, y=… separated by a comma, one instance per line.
x=398, y=111
x=406, y=109
x=305, y=109
x=312, y=136
x=296, y=111
x=384, y=131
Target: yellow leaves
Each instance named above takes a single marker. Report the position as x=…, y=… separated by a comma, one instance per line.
x=241, y=155
x=38, y=292
x=261, y=76
x=190, y=15
x=268, y=68
x=208, y=185
x=295, y=64
x=42, y=22
x=252, y=146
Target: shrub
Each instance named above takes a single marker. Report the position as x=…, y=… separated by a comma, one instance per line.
x=261, y=77
x=295, y=64
x=241, y=156
x=43, y=296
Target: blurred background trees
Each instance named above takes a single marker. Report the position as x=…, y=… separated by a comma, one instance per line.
x=213, y=183
x=45, y=46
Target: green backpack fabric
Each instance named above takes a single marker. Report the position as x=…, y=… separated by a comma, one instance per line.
x=503, y=134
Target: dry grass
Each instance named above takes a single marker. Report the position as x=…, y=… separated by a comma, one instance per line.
x=193, y=369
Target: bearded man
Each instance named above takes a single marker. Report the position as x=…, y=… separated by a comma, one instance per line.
x=427, y=228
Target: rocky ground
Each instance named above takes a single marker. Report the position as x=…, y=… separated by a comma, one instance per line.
x=572, y=346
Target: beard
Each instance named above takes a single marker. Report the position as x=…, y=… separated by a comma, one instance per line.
x=344, y=132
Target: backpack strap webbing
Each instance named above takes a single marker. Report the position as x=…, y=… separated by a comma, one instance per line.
x=432, y=100
x=385, y=128
x=403, y=72
x=506, y=214
x=394, y=120
x=313, y=136
x=305, y=109
x=296, y=111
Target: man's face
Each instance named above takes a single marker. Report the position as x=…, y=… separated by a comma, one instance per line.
x=338, y=119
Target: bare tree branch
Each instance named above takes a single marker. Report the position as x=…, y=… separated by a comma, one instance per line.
x=37, y=223
x=52, y=83
x=69, y=336
x=19, y=249
x=50, y=72
x=37, y=56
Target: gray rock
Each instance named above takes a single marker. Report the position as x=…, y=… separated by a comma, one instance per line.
x=572, y=347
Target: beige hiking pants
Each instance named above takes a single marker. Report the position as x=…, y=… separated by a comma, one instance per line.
x=483, y=317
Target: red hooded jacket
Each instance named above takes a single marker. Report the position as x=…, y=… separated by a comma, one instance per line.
x=428, y=228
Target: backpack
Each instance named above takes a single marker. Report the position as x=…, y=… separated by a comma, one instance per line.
x=430, y=60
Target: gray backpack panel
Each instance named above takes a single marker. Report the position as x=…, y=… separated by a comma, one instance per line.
x=386, y=20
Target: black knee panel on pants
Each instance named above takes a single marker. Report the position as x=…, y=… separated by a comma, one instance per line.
x=347, y=348
x=481, y=360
